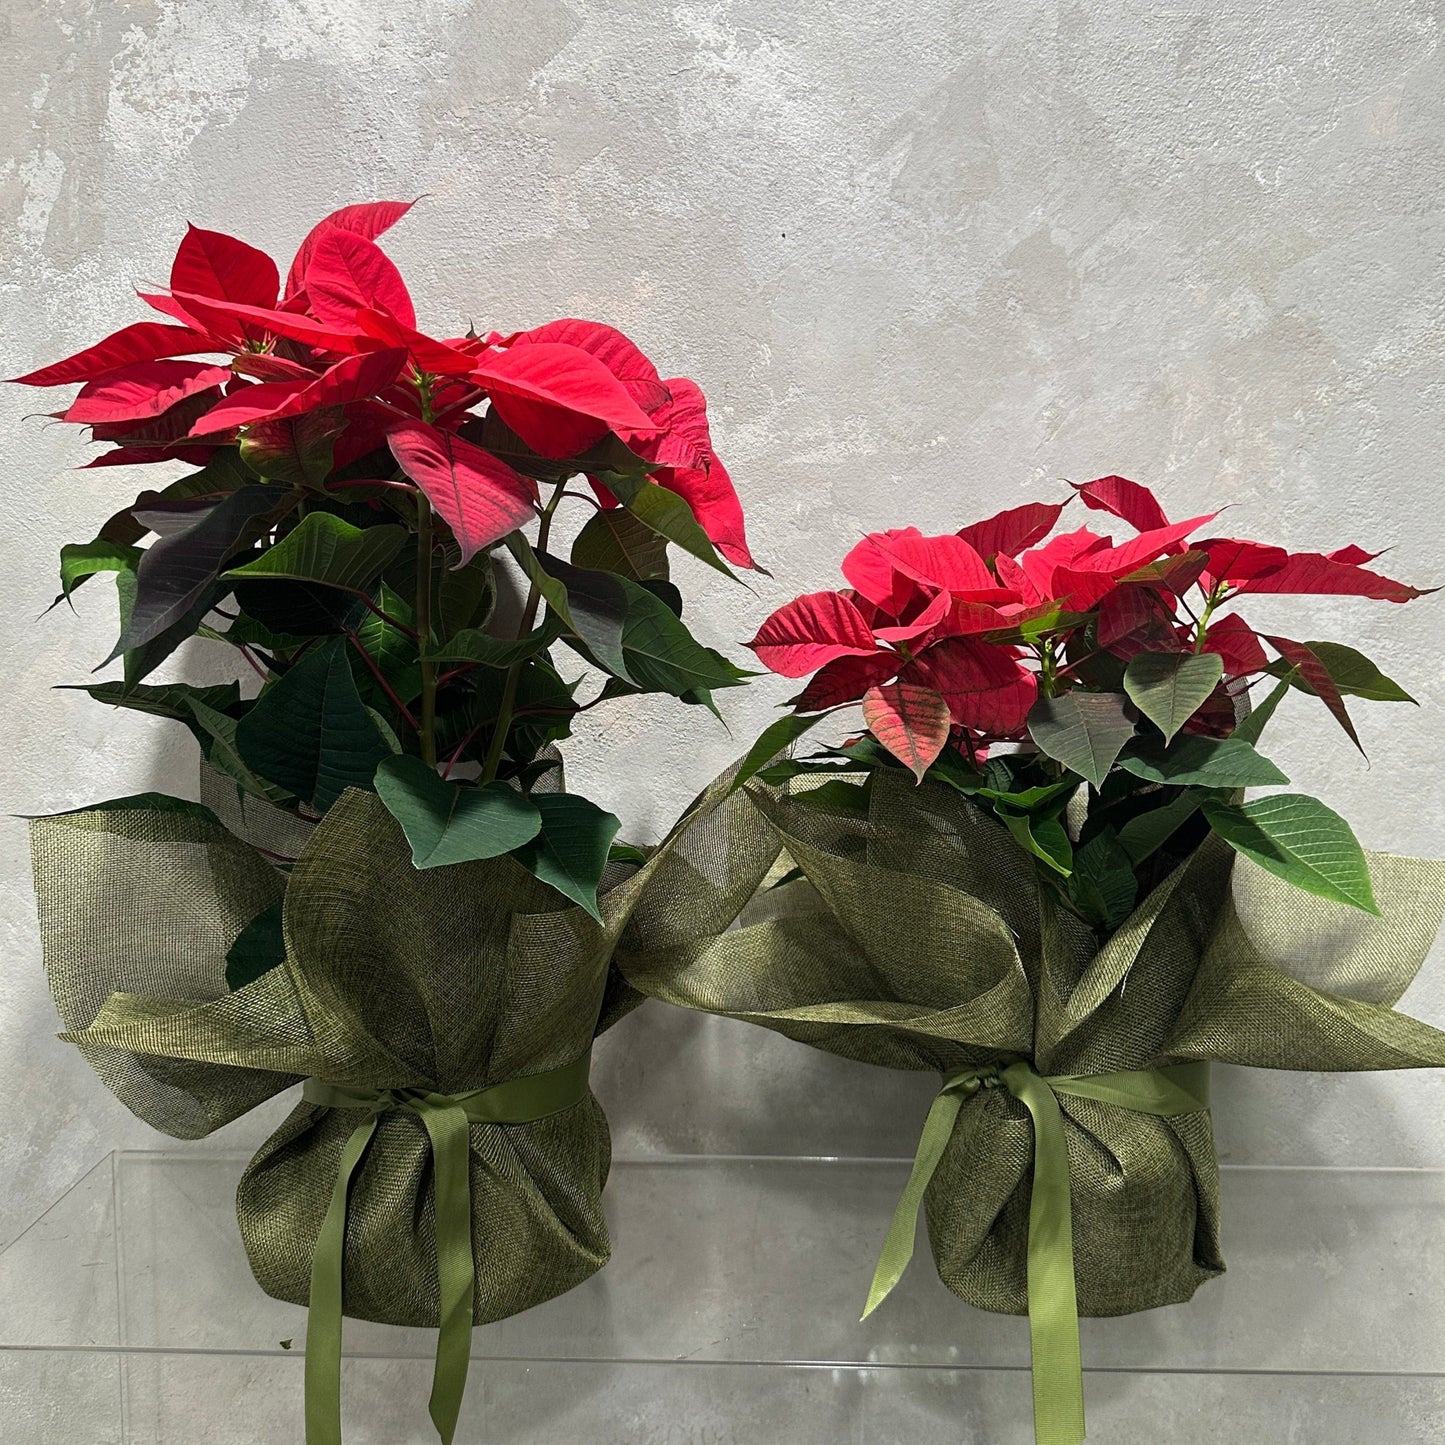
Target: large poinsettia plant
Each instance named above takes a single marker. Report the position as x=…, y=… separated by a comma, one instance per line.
x=354, y=484
x=1091, y=692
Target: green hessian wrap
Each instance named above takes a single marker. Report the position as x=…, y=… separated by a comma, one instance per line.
x=1053, y=1302
x=916, y=935
x=450, y=1011
x=446, y=1119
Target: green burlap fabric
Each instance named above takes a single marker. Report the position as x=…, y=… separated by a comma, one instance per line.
x=445, y=980
x=920, y=938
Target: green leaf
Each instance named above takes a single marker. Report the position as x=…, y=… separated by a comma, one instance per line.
x=1252, y=725
x=296, y=451
x=570, y=852
x=179, y=570
x=1352, y=672
x=591, y=604
x=1170, y=687
x=837, y=796
x=771, y=741
x=1207, y=763
x=79, y=560
x=1036, y=628
x=170, y=700
x=1103, y=884
x=616, y=540
x=216, y=732
x=391, y=649
x=141, y=661
x=1144, y=834
x=140, y=803
x=1031, y=799
x=1042, y=835
x=222, y=474
x=1300, y=840
x=1085, y=731
x=447, y=822
x=474, y=645
x=466, y=595
x=662, y=655
x=259, y=947
x=298, y=609
x=668, y=515
x=310, y=733
x=324, y=550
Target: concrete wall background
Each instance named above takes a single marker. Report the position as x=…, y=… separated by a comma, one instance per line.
x=924, y=267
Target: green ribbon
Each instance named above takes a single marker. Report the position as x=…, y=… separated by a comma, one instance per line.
x=1058, y=1378
x=447, y=1119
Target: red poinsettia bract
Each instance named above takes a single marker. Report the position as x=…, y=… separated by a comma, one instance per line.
x=951, y=638
x=340, y=336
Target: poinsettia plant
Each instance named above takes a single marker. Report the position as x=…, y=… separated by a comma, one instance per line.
x=1093, y=693
x=353, y=486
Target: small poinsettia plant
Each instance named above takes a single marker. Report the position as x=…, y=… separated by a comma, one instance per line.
x=1092, y=693
x=353, y=487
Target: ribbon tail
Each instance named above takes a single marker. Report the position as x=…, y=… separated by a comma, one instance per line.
x=898, y=1246
x=323, y=1321
x=449, y=1129
x=1058, y=1376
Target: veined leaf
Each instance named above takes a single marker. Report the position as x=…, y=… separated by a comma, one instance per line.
x=325, y=550
x=570, y=852
x=181, y=566
x=141, y=661
x=771, y=741
x=447, y=822
x=912, y=722
x=1300, y=840
x=1043, y=835
x=594, y=606
x=465, y=595
x=617, y=540
x=310, y=733
x=668, y=515
x=1170, y=687
x=1028, y=799
x=472, y=644
x=391, y=649
x=1352, y=672
x=1308, y=667
x=1251, y=726
x=221, y=475
x=1085, y=731
x=1207, y=763
x=170, y=700
x=79, y=560
x=1144, y=834
x=216, y=733
x=662, y=655
x=296, y=450
x=1103, y=882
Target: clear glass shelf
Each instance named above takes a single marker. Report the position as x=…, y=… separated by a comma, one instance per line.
x=730, y=1314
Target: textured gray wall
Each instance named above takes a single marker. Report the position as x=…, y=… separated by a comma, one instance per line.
x=924, y=267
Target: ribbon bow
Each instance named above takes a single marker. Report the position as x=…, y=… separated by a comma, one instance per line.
x=1058, y=1379
x=447, y=1119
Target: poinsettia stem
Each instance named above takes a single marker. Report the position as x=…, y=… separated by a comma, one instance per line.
x=508, y=702
x=427, y=728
